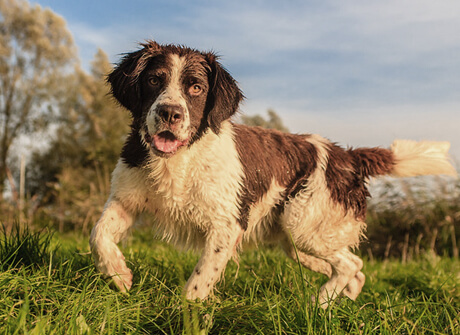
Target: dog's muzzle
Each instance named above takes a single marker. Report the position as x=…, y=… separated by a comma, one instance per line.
x=170, y=114
x=166, y=142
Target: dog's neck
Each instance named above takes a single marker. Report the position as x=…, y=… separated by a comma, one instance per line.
x=168, y=174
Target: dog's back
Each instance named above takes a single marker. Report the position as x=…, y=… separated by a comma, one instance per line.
x=213, y=185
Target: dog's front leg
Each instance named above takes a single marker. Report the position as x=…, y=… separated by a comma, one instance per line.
x=219, y=248
x=108, y=231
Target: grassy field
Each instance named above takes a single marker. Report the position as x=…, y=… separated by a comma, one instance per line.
x=48, y=285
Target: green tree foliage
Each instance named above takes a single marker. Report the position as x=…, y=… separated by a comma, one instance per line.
x=73, y=175
x=36, y=53
x=273, y=122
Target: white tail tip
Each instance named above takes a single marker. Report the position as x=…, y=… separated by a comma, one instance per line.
x=421, y=158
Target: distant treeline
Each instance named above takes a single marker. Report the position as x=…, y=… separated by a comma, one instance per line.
x=74, y=132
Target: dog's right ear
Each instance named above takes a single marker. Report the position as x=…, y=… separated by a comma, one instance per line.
x=124, y=79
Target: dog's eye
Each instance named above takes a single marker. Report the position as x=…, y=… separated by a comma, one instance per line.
x=154, y=81
x=195, y=89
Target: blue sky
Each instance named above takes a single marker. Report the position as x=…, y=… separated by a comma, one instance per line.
x=360, y=72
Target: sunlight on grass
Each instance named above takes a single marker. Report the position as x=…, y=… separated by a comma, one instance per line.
x=61, y=293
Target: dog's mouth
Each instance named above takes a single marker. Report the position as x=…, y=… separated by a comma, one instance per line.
x=165, y=142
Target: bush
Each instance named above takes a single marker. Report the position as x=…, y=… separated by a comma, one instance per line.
x=409, y=216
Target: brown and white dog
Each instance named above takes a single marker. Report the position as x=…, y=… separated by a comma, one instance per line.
x=215, y=186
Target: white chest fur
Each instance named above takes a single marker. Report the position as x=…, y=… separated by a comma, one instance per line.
x=188, y=193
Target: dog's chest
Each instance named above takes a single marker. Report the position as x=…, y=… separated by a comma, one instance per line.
x=182, y=193
x=197, y=188
x=203, y=188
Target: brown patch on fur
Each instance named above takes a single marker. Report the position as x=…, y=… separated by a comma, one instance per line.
x=224, y=95
x=374, y=161
x=129, y=86
x=345, y=181
x=268, y=155
x=347, y=173
x=134, y=154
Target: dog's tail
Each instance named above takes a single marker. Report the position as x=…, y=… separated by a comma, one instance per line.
x=406, y=158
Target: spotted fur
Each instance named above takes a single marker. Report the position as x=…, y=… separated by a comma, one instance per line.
x=216, y=186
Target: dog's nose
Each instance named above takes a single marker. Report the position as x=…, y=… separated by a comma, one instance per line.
x=170, y=113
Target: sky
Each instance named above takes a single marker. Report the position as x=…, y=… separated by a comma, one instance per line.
x=359, y=72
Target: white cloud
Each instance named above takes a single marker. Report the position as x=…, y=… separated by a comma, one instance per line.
x=360, y=72
x=379, y=126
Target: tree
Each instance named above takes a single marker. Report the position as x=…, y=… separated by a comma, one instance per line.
x=72, y=177
x=273, y=122
x=36, y=54
x=107, y=122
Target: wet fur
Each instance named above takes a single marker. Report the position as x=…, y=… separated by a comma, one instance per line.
x=234, y=185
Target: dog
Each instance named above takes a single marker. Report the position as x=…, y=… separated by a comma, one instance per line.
x=217, y=186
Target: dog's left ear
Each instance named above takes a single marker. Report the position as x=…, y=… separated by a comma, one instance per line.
x=224, y=94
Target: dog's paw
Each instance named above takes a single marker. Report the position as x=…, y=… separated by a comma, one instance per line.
x=116, y=271
x=121, y=275
x=123, y=281
x=323, y=300
x=355, y=286
x=194, y=291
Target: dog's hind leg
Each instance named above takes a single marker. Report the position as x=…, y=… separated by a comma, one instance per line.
x=219, y=248
x=308, y=261
x=329, y=238
x=108, y=231
x=355, y=285
x=319, y=265
x=346, y=277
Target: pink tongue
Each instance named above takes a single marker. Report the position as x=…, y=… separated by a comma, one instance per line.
x=166, y=142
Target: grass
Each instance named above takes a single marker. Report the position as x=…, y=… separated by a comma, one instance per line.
x=59, y=292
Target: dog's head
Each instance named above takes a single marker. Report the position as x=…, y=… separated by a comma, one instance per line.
x=174, y=94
